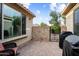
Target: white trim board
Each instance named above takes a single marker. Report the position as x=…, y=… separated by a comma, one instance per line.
x=14, y=38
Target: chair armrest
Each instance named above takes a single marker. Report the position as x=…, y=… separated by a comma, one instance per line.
x=7, y=52
x=9, y=45
x=4, y=54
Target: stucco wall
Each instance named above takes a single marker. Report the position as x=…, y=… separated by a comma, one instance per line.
x=70, y=19
x=40, y=33
x=63, y=28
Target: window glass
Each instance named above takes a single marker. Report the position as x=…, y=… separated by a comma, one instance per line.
x=0, y=21
x=23, y=24
x=12, y=22
x=76, y=22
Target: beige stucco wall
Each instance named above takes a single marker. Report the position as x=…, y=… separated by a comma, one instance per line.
x=70, y=19
x=29, y=24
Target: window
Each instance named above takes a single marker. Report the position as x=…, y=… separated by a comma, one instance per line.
x=76, y=21
x=14, y=22
x=0, y=21
x=23, y=24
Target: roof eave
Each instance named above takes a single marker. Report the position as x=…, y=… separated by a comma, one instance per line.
x=26, y=10
x=22, y=7
x=68, y=8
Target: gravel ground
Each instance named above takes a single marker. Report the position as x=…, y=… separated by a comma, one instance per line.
x=41, y=48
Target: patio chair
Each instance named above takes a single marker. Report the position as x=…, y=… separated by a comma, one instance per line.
x=8, y=49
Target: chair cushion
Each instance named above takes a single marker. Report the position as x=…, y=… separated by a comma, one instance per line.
x=1, y=47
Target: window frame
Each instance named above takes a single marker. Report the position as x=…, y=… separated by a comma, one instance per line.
x=74, y=19
x=1, y=22
x=12, y=38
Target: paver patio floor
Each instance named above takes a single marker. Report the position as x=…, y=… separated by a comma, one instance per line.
x=37, y=48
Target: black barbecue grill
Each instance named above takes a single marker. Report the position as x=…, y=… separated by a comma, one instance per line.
x=62, y=37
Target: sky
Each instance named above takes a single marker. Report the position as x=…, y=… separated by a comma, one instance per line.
x=42, y=11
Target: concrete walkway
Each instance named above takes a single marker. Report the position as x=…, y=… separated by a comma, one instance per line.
x=37, y=48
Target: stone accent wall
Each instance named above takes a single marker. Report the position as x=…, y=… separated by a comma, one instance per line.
x=41, y=33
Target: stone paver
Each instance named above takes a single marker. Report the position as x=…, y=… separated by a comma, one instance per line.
x=37, y=48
